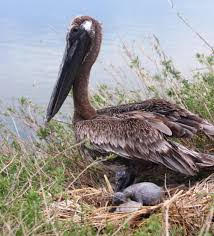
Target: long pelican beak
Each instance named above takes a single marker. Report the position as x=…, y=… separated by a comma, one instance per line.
x=76, y=48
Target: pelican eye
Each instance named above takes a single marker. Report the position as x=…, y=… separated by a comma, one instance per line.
x=75, y=29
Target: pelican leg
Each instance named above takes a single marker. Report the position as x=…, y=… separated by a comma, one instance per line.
x=125, y=170
x=124, y=178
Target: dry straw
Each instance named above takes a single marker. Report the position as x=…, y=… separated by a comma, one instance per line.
x=191, y=209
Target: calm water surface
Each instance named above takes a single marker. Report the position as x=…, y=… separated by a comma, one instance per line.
x=33, y=37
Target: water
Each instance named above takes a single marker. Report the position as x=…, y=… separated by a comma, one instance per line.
x=32, y=38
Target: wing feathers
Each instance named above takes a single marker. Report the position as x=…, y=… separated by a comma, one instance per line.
x=181, y=122
x=135, y=136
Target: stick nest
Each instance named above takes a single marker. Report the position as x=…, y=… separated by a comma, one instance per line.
x=190, y=208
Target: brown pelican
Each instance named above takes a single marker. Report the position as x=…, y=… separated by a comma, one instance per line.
x=136, y=133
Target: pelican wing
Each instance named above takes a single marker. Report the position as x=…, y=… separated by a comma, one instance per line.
x=181, y=122
x=137, y=135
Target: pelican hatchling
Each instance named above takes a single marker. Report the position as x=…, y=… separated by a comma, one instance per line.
x=137, y=133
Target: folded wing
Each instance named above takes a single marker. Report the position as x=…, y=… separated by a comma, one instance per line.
x=140, y=135
x=182, y=123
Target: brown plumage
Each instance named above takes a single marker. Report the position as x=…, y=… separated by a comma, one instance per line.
x=137, y=131
x=140, y=136
x=183, y=123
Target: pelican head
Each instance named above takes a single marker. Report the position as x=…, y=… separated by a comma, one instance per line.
x=78, y=45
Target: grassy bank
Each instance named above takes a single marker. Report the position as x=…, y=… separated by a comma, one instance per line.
x=47, y=188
